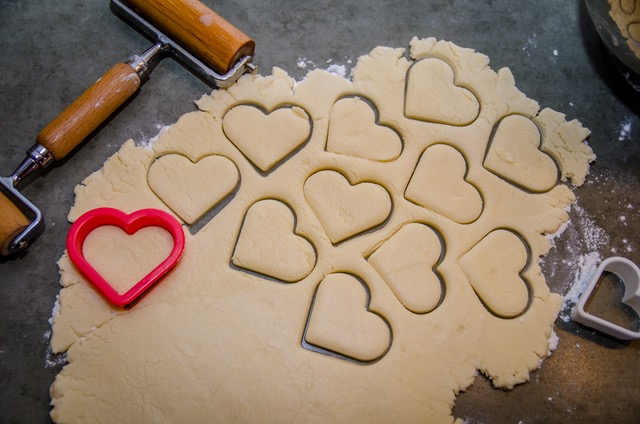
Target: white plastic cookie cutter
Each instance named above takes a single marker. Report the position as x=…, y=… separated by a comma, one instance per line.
x=629, y=273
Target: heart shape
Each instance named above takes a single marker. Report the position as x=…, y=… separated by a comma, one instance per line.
x=407, y=262
x=267, y=243
x=629, y=274
x=266, y=139
x=439, y=183
x=190, y=188
x=432, y=95
x=354, y=131
x=341, y=323
x=514, y=154
x=130, y=224
x=493, y=268
x=346, y=210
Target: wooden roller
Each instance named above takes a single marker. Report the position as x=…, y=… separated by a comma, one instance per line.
x=190, y=24
x=199, y=29
x=11, y=224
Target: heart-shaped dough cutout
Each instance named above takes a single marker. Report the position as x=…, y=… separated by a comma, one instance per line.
x=438, y=183
x=432, y=95
x=110, y=224
x=494, y=267
x=189, y=188
x=514, y=154
x=266, y=139
x=340, y=321
x=267, y=243
x=344, y=209
x=407, y=263
x=354, y=131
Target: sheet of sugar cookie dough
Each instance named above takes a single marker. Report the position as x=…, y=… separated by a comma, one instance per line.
x=290, y=302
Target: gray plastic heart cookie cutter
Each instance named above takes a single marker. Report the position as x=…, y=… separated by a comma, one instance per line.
x=629, y=273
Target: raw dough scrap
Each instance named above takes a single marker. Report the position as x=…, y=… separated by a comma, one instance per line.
x=626, y=15
x=216, y=343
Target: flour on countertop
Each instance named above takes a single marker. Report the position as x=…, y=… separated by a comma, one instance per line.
x=531, y=44
x=339, y=70
x=584, y=240
x=553, y=237
x=148, y=144
x=593, y=235
x=333, y=68
x=625, y=129
x=586, y=266
x=56, y=309
x=51, y=359
x=553, y=341
x=551, y=270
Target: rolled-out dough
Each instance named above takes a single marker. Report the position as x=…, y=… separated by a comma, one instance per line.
x=626, y=15
x=334, y=283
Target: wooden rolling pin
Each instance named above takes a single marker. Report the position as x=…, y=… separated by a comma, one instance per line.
x=189, y=23
x=199, y=29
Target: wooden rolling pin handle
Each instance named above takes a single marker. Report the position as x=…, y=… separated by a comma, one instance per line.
x=197, y=29
x=89, y=110
x=12, y=222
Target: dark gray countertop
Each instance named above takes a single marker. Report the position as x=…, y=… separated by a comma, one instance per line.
x=51, y=51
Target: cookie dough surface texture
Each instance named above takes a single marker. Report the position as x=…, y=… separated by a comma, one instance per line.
x=626, y=15
x=347, y=274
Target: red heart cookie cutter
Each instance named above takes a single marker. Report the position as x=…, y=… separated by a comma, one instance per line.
x=130, y=224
